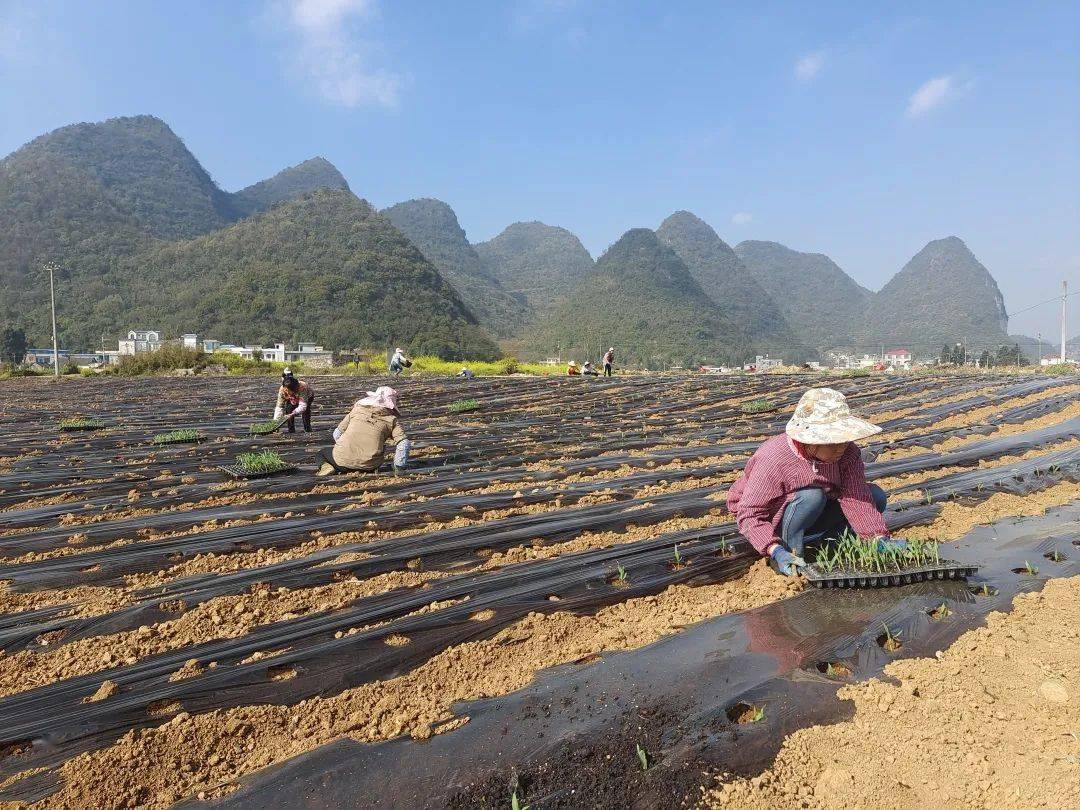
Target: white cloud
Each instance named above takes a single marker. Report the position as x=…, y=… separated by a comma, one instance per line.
x=808, y=67
x=935, y=93
x=742, y=218
x=329, y=51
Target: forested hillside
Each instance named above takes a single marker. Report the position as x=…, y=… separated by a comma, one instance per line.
x=433, y=227
x=288, y=184
x=821, y=302
x=326, y=267
x=733, y=289
x=942, y=295
x=641, y=299
x=537, y=261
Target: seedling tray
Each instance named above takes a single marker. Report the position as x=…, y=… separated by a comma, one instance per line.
x=236, y=471
x=159, y=443
x=946, y=569
x=73, y=428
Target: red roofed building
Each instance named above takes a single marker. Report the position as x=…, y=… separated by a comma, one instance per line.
x=898, y=358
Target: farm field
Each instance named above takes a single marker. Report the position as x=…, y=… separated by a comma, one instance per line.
x=173, y=634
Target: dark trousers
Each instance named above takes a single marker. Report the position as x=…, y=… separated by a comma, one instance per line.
x=607, y=369
x=810, y=517
x=305, y=416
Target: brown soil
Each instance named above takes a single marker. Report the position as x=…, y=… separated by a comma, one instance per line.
x=192, y=754
x=991, y=722
x=956, y=520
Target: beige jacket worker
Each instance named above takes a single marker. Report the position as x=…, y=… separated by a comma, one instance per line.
x=365, y=431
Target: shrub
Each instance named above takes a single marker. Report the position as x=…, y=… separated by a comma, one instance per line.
x=167, y=358
x=510, y=365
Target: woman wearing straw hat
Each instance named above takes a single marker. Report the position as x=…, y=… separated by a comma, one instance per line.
x=809, y=483
x=361, y=438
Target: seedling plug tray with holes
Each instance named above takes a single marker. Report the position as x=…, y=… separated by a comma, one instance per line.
x=946, y=569
x=237, y=471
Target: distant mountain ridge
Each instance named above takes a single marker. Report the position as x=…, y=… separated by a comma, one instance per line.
x=941, y=295
x=433, y=227
x=731, y=286
x=316, y=172
x=539, y=262
x=96, y=197
x=642, y=299
x=824, y=305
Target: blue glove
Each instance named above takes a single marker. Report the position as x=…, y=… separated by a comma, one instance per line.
x=885, y=544
x=787, y=563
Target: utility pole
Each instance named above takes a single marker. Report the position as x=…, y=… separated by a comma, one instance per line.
x=52, y=303
x=1038, y=337
x=1064, y=296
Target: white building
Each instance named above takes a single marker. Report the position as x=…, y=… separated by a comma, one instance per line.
x=898, y=358
x=310, y=354
x=189, y=341
x=766, y=362
x=209, y=345
x=139, y=341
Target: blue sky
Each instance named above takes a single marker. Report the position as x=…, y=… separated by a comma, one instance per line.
x=860, y=130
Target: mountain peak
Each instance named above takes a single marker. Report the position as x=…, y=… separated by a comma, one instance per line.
x=538, y=262
x=288, y=184
x=726, y=280
x=433, y=227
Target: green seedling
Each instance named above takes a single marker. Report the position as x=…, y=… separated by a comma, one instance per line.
x=725, y=546
x=183, y=435
x=643, y=757
x=81, y=423
x=263, y=461
x=757, y=406
x=678, y=556
x=515, y=803
x=985, y=589
x=892, y=640
x=262, y=428
x=830, y=670
x=1031, y=569
x=941, y=611
x=1056, y=555
x=622, y=574
x=464, y=405
x=758, y=715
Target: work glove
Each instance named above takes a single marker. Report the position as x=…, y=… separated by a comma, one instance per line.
x=401, y=454
x=885, y=544
x=787, y=563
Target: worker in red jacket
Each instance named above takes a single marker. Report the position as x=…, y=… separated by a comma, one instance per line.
x=294, y=397
x=809, y=484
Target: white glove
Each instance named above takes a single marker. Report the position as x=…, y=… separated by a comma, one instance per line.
x=337, y=434
x=278, y=413
x=301, y=407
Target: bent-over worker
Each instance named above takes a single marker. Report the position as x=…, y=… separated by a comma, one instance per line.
x=294, y=397
x=361, y=438
x=809, y=483
x=399, y=362
x=587, y=370
x=572, y=370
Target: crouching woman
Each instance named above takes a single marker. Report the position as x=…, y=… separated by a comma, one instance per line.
x=809, y=484
x=361, y=438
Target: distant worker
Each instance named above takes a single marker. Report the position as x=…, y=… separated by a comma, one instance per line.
x=361, y=438
x=294, y=397
x=572, y=370
x=609, y=361
x=467, y=373
x=399, y=362
x=588, y=369
x=809, y=484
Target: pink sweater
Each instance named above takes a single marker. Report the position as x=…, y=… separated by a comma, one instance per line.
x=773, y=474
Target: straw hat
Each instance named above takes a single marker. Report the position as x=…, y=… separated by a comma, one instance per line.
x=571, y=363
x=823, y=417
x=382, y=397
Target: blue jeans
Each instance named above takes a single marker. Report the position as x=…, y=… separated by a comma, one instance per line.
x=810, y=516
